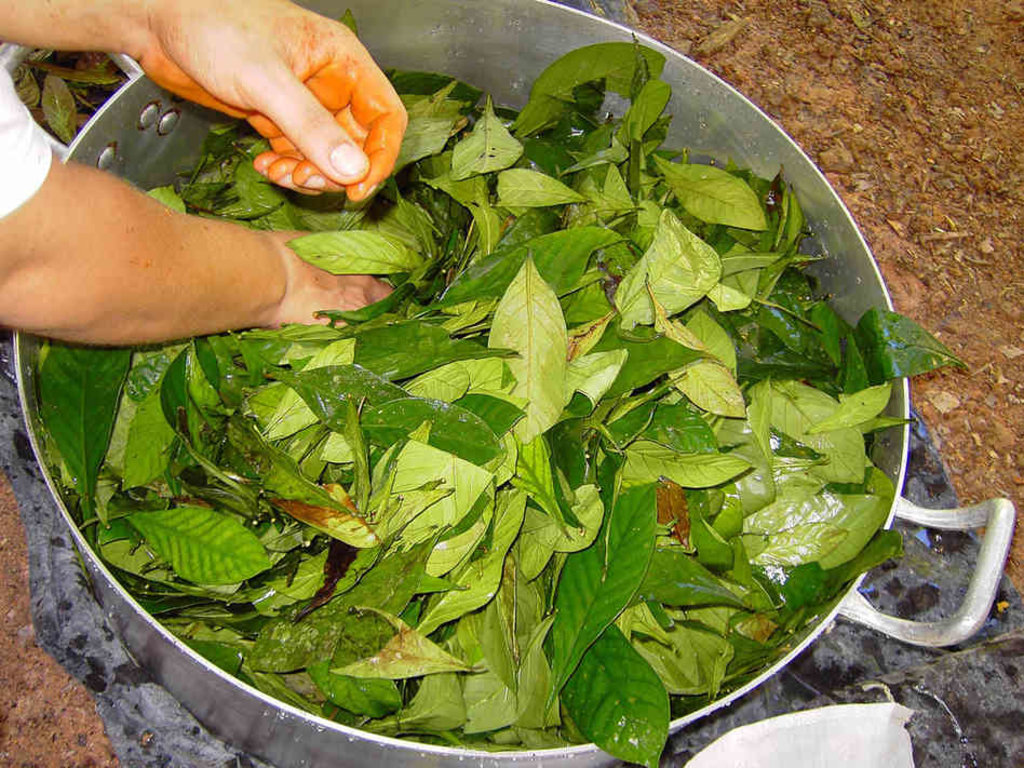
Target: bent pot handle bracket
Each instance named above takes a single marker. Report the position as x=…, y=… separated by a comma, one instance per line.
x=998, y=517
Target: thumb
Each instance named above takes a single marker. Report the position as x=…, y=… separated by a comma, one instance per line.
x=310, y=126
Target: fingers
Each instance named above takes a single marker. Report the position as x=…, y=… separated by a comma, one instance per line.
x=375, y=114
x=381, y=147
x=296, y=112
x=293, y=172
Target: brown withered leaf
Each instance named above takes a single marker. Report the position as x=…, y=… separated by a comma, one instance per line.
x=346, y=526
x=672, y=507
x=583, y=338
x=339, y=557
x=757, y=627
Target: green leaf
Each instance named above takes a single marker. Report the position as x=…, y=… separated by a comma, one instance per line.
x=424, y=136
x=203, y=545
x=26, y=86
x=618, y=702
x=522, y=188
x=895, y=346
x=594, y=374
x=644, y=111
x=437, y=707
x=676, y=578
x=79, y=390
x=533, y=475
x=796, y=407
x=59, y=108
x=560, y=257
x=714, y=195
x=169, y=197
x=448, y=382
x=350, y=21
x=459, y=544
x=806, y=543
x=284, y=645
x=407, y=654
x=709, y=385
x=488, y=148
x=805, y=529
x=715, y=338
x=250, y=195
x=693, y=663
x=529, y=320
x=678, y=427
x=499, y=414
x=679, y=268
x=649, y=357
x=480, y=578
x=453, y=429
x=490, y=704
x=614, y=154
x=646, y=462
x=406, y=349
x=542, y=536
x=855, y=409
x=361, y=696
x=328, y=389
x=292, y=413
x=355, y=252
x=597, y=583
x=419, y=464
x=328, y=509
x=552, y=91
x=149, y=441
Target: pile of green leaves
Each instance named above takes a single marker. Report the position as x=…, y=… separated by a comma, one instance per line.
x=599, y=459
x=62, y=89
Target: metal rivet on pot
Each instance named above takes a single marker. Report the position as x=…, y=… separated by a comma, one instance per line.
x=149, y=115
x=107, y=156
x=168, y=120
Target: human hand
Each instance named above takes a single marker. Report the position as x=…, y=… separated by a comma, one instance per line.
x=309, y=289
x=303, y=81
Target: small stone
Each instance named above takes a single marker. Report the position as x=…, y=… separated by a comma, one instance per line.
x=1003, y=438
x=26, y=635
x=837, y=159
x=722, y=36
x=1011, y=353
x=944, y=402
x=819, y=16
x=986, y=246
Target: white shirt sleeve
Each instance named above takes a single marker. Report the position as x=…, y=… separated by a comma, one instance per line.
x=25, y=154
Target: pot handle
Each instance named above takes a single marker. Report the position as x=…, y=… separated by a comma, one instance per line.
x=12, y=55
x=998, y=517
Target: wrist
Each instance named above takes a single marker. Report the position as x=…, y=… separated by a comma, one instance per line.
x=289, y=269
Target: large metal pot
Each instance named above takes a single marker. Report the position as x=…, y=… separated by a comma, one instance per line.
x=145, y=135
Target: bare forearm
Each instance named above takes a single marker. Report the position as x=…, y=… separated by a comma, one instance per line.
x=111, y=25
x=90, y=259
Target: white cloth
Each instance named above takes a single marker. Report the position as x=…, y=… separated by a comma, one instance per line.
x=843, y=736
x=25, y=154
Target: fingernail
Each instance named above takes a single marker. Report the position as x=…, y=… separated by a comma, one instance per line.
x=349, y=161
x=315, y=182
